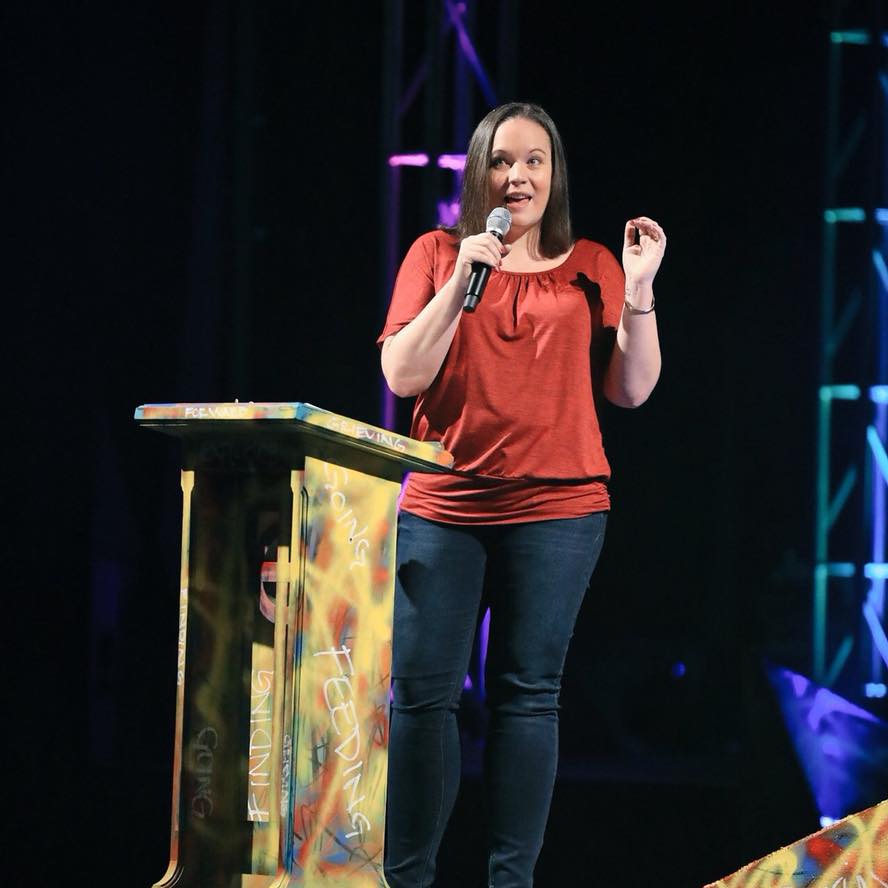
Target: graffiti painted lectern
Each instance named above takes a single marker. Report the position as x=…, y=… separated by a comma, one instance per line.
x=284, y=646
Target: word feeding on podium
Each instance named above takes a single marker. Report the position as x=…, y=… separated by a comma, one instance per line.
x=340, y=751
x=340, y=701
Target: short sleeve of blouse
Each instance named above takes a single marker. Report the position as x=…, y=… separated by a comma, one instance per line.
x=613, y=287
x=415, y=284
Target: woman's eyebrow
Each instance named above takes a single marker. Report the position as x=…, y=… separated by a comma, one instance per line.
x=497, y=151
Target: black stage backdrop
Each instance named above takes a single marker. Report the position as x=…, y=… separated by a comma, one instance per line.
x=195, y=216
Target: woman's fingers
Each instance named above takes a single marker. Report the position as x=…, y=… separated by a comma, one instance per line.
x=484, y=248
x=647, y=227
x=629, y=235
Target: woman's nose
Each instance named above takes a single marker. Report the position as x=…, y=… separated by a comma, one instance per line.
x=517, y=172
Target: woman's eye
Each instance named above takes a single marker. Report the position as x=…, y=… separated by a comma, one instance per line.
x=534, y=161
x=498, y=161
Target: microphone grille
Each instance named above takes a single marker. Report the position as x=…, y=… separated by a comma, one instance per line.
x=499, y=221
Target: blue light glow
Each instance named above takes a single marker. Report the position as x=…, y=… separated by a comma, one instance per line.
x=878, y=450
x=845, y=214
x=839, y=392
x=876, y=630
x=836, y=569
x=881, y=268
x=839, y=661
x=678, y=670
x=875, y=690
x=831, y=747
x=877, y=570
x=841, y=746
x=857, y=37
x=844, y=491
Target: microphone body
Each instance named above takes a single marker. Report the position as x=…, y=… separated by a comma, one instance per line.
x=498, y=224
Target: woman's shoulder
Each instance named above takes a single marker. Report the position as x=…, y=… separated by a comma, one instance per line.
x=433, y=247
x=438, y=239
x=430, y=255
x=590, y=252
x=585, y=246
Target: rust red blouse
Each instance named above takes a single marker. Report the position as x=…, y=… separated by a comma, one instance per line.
x=513, y=401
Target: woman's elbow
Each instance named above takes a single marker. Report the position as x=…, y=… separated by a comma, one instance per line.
x=402, y=387
x=406, y=379
x=392, y=372
x=630, y=400
x=401, y=383
x=629, y=396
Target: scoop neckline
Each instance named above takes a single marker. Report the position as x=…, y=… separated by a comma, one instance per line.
x=561, y=264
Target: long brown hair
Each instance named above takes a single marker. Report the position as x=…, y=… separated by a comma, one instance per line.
x=555, y=232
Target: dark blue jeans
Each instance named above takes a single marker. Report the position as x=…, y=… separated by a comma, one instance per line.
x=533, y=576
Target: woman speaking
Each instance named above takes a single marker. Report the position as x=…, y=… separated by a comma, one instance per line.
x=509, y=389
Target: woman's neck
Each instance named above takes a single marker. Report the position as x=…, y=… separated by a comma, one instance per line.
x=526, y=254
x=525, y=243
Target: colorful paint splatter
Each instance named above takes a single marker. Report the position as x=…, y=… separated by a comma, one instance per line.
x=284, y=647
x=852, y=853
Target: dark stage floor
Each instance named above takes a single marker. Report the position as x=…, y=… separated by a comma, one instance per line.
x=610, y=825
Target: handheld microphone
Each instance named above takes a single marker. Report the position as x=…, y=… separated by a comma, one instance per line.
x=498, y=224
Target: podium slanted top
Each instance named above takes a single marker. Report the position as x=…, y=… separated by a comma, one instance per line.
x=321, y=432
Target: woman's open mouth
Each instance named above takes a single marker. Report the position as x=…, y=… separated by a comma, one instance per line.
x=517, y=200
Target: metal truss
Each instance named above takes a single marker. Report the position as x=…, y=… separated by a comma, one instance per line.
x=850, y=648
x=428, y=115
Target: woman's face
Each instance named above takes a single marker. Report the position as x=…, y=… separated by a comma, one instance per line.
x=521, y=171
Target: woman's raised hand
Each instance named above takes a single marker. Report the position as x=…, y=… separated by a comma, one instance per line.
x=484, y=248
x=641, y=260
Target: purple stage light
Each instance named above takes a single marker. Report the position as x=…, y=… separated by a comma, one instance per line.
x=448, y=213
x=452, y=162
x=841, y=746
x=874, y=621
x=388, y=406
x=877, y=570
x=799, y=682
x=827, y=703
x=410, y=160
x=456, y=11
x=485, y=637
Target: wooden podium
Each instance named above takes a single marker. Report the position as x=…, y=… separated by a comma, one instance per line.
x=284, y=644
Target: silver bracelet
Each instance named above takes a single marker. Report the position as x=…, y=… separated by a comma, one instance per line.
x=639, y=311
